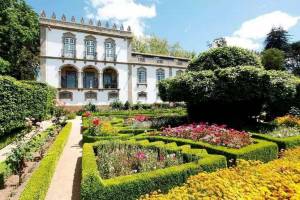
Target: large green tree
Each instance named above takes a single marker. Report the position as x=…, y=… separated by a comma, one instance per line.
x=293, y=58
x=277, y=38
x=19, y=38
x=156, y=45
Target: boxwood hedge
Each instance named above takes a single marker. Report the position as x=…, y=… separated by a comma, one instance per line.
x=130, y=187
x=38, y=184
x=283, y=143
x=21, y=99
x=260, y=150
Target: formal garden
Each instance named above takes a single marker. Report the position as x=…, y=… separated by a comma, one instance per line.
x=226, y=128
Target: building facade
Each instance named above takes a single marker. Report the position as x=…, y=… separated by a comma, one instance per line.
x=94, y=63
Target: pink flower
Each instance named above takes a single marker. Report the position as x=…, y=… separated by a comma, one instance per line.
x=87, y=114
x=141, y=118
x=140, y=155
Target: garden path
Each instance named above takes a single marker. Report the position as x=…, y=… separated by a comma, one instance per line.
x=65, y=184
x=6, y=150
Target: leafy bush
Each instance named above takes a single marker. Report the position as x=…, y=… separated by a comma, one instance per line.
x=38, y=184
x=21, y=99
x=224, y=57
x=71, y=116
x=235, y=93
x=118, y=105
x=250, y=180
x=90, y=107
x=288, y=120
x=273, y=59
x=130, y=187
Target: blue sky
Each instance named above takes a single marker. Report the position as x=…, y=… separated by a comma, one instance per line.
x=192, y=23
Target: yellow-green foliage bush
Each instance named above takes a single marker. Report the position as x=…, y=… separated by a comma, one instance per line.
x=279, y=179
x=288, y=120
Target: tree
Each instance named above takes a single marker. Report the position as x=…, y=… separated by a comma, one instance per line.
x=224, y=57
x=156, y=45
x=278, y=38
x=4, y=67
x=293, y=58
x=19, y=38
x=218, y=42
x=273, y=59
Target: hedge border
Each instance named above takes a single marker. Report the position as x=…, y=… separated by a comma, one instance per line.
x=283, y=143
x=262, y=150
x=38, y=184
x=92, y=139
x=133, y=186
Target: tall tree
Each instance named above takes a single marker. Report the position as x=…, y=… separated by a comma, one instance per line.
x=293, y=58
x=278, y=38
x=19, y=38
x=273, y=59
x=156, y=45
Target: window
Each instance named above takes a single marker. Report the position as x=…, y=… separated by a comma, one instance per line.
x=142, y=96
x=90, y=79
x=69, y=45
x=66, y=95
x=160, y=74
x=69, y=77
x=113, y=96
x=90, y=47
x=142, y=75
x=110, y=78
x=90, y=95
x=178, y=72
x=110, y=49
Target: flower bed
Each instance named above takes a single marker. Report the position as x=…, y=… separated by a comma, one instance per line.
x=278, y=179
x=115, y=160
x=259, y=149
x=212, y=134
x=131, y=186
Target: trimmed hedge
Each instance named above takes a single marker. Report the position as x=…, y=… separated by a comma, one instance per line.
x=283, y=143
x=4, y=172
x=38, y=184
x=92, y=139
x=130, y=187
x=261, y=150
x=21, y=99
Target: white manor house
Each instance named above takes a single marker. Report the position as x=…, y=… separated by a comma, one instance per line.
x=95, y=63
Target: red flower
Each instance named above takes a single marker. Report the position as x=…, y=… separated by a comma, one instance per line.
x=96, y=122
x=87, y=114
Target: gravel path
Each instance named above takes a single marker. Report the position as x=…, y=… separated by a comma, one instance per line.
x=65, y=184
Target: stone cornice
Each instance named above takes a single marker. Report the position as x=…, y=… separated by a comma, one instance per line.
x=113, y=63
x=86, y=28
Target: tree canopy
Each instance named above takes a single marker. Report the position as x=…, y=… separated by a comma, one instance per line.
x=19, y=38
x=277, y=38
x=273, y=59
x=293, y=58
x=156, y=45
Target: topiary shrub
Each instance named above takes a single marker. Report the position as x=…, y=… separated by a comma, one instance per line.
x=224, y=57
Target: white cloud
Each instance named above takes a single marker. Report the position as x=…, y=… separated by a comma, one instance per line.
x=254, y=30
x=128, y=12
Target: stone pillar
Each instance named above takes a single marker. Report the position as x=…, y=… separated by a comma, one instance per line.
x=100, y=80
x=80, y=81
x=130, y=100
x=59, y=79
x=170, y=72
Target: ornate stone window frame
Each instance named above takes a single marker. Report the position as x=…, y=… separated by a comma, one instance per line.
x=142, y=96
x=158, y=74
x=178, y=72
x=112, y=57
x=65, y=95
x=90, y=95
x=139, y=70
x=94, y=40
x=113, y=96
x=68, y=35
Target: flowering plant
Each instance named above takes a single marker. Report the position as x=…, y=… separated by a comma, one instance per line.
x=213, y=134
x=141, y=118
x=87, y=114
x=288, y=120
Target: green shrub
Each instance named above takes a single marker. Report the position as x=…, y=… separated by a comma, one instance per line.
x=283, y=143
x=117, y=105
x=261, y=150
x=224, y=57
x=21, y=99
x=273, y=59
x=71, y=116
x=38, y=184
x=4, y=172
x=132, y=186
x=232, y=94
